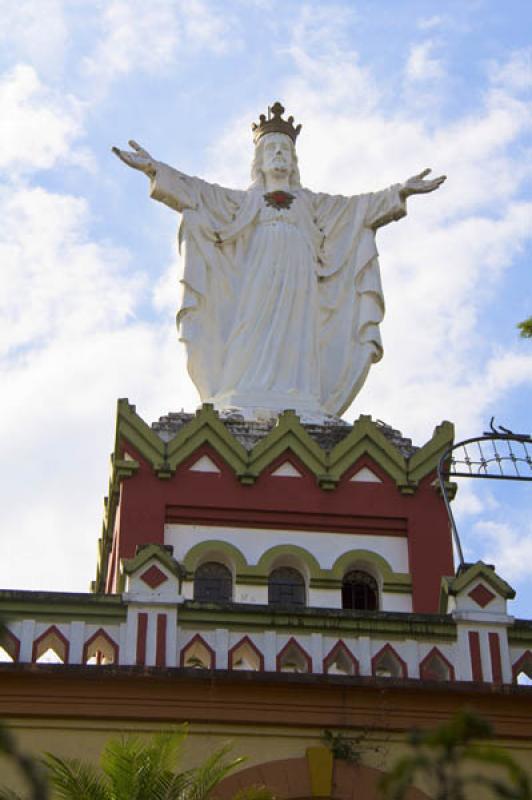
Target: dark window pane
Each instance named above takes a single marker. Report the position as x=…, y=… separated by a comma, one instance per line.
x=360, y=591
x=212, y=581
x=286, y=587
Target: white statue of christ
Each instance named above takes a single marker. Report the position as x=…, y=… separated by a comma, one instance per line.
x=282, y=297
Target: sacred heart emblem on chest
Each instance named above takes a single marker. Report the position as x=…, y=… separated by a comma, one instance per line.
x=279, y=199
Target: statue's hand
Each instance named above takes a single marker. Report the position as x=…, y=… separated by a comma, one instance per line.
x=416, y=184
x=138, y=159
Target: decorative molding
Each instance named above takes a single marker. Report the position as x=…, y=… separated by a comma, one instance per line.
x=198, y=639
x=51, y=633
x=153, y=577
x=423, y=666
x=245, y=642
x=479, y=570
x=393, y=582
x=390, y=651
x=340, y=647
x=293, y=644
x=104, y=635
x=481, y=595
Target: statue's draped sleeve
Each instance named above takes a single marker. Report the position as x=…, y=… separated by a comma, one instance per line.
x=351, y=297
x=209, y=283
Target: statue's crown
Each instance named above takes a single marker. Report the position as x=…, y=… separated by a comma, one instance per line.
x=275, y=124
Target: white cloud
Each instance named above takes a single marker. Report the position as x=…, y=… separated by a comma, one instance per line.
x=74, y=344
x=422, y=65
x=38, y=124
x=428, y=23
x=57, y=282
x=508, y=549
x=35, y=32
x=516, y=72
x=140, y=37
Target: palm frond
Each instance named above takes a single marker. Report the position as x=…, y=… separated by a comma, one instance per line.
x=8, y=794
x=205, y=777
x=75, y=780
x=137, y=769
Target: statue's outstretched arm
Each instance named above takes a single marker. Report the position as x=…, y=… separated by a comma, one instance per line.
x=138, y=158
x=417, y=184
x=168, y=185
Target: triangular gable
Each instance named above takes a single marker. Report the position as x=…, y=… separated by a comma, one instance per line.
x=205, y=464
x=286, y=470
x=365, y=475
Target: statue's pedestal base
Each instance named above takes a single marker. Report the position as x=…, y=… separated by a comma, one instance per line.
x=254, y=407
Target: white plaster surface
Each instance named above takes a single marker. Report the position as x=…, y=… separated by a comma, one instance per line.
x=392, y=601
x=325, y=546
x=365, y=475
x=286, y=470
x=204, y=464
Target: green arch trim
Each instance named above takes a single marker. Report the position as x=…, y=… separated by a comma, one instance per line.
x=257, y=574
x=391, y=581
x=232, y=553
x=268, y=558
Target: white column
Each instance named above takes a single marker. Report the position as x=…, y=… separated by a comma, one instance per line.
x=364, y=655
x=27, y=636
x=151, y=639
x=128, y=654
x=485, y=655
x=506, y=661
x=411, y=656
x=462, y=661
x=77, y=638
x=171, y=638
x=221, y=647
x=316, y=652
x=270, y=651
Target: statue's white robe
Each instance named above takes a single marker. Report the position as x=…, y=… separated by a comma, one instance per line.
x=281, y=308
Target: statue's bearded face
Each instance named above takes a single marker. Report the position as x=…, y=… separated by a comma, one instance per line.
x=277, y=154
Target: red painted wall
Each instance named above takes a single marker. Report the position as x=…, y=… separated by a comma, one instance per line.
x=147, y=502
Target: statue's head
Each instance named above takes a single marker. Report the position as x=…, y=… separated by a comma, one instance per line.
x=275, y=151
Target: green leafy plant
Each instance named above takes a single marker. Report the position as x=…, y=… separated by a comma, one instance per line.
x=133, y=768
x=447, y=760
x=525, y=328
x=342, y=748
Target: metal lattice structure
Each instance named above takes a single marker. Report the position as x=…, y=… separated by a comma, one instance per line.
x=499, y=454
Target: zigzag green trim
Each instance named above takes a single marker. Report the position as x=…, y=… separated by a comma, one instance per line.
x=427, y=457
x=288, y=434
x=365, y=438
x=206, y=428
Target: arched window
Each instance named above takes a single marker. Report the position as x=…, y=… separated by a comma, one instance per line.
x=360, y=591
x=286, y=587
x=213, y=582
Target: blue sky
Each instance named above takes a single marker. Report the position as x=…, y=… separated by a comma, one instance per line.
x=89, y=265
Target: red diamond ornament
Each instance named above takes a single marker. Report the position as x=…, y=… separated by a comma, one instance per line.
x=153, y=577
x=481, y=595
